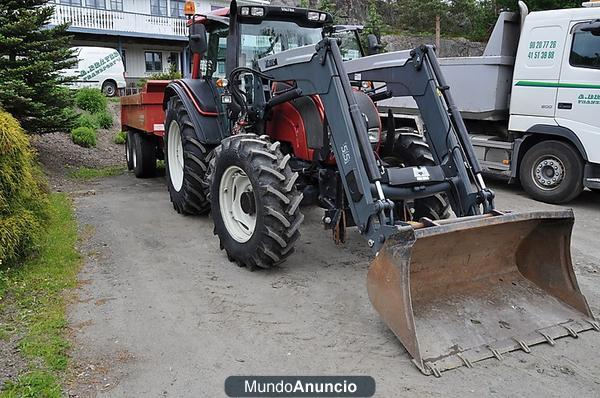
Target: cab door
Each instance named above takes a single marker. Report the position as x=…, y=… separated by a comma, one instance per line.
x=578, y=98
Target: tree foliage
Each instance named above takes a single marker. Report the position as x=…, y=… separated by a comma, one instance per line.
x=473, y=19
x=31, y=56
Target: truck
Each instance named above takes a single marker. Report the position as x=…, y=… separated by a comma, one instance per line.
x=530, y=102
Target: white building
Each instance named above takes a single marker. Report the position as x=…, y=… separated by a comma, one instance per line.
x=151, y=35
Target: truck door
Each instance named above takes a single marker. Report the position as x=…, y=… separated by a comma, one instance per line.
x=578, y=99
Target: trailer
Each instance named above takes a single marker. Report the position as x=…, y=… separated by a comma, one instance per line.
x=142, y=118
x=530, y=102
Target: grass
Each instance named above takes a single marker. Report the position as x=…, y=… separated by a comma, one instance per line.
x=33, y=294
x=86, y=173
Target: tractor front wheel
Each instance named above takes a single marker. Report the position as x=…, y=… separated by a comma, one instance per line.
x=254, y=200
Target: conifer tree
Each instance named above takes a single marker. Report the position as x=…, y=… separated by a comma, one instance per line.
x=31, y=56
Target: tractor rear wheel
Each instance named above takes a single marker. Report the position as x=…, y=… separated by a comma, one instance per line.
x=255, y=203
x=185, y=161
x=410, y=149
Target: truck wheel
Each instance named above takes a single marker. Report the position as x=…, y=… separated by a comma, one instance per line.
x=185, y=162
x=144, y=156
x=129, y=152
x=255, y=204
x=552, y=172
x=410, y=149
x=109, y=88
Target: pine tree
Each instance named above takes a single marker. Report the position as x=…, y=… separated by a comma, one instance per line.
x=31, y=56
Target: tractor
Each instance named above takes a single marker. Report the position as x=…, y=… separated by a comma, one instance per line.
x=273, y=119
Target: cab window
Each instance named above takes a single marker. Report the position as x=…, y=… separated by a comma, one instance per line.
x=350, y=47
x=585, y=51
x=213, y=64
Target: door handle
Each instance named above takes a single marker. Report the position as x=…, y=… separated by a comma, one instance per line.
x=565, y=105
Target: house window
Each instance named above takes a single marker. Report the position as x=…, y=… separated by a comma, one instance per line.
x=101, y=4
x=158, y=7
x=116, y=5
x=70, y=2
x=177, y=7
x=154, y=61
x=174, y=61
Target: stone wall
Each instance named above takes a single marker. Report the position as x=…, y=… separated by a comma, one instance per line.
x=457, y=47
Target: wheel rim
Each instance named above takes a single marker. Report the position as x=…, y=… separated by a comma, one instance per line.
x=548, y=172
x=237, y=204
x=175, y=154
x=109, y=90
x=134, y=155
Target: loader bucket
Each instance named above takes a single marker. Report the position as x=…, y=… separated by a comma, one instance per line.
x=478, y=287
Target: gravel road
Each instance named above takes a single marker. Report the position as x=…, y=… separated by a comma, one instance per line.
x=161, y=311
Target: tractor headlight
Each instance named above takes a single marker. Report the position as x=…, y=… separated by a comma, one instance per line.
x=226, y=99
x=245, y=11
x=313, y=16
x=374, y=135
x=322, y=17
x=257, y=12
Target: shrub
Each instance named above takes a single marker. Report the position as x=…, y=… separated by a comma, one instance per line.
x=91, y=100
x=120, y=138
x=87, y=120
x=84, y=136
x=105, y=120
x=23, y=193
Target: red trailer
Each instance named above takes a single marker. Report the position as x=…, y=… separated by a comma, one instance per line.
x=142, y=117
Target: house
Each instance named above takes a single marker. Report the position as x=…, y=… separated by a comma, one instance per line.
x=151, y=35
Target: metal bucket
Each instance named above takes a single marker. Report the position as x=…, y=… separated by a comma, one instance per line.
x=478, y=287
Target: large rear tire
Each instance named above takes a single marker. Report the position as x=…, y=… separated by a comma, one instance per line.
x=552, y=172
x=255, y=204
x=185, y=161
x=410, y=149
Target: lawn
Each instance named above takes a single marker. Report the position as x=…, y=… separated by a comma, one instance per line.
x=33, y=304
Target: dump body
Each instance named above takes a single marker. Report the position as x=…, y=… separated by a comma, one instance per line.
x=480, y=86
x=478, y=287
x=144, y=111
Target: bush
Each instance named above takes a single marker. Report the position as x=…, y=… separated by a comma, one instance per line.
x=87, y=120
x=91, y=100
x=84, y=136
x=23, y=193
x=120, y=138
x=105, y=120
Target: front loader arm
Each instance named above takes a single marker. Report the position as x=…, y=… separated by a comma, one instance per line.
x=416, y=73
x=318, y=70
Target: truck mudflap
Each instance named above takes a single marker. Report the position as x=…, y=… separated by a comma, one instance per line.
x=474, y=288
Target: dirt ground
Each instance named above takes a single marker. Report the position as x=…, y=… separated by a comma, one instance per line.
x=163, y=313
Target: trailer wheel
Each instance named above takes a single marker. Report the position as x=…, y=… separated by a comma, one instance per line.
x=144, y=155
x=185, y=162
x=129, y=152
x=255, y=204
x=552, y=172
x=410, y=149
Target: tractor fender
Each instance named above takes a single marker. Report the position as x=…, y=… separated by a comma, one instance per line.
x=200, y=101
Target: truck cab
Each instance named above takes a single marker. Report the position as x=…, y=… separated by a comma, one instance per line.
x=556, y=95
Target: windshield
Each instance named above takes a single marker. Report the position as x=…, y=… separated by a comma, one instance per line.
x=270, y=37
x=350, y=47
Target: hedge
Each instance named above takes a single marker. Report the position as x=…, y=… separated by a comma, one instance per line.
x=23, y=193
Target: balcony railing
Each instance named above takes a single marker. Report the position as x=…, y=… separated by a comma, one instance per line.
x=92, y=18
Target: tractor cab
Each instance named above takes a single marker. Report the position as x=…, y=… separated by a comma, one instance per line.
x=249, y=33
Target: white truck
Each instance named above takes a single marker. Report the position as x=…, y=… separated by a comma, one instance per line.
x=531, y=102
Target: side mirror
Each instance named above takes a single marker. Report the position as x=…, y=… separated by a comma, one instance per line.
x=593, y=27
x=373, y=46
x=198, y=42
